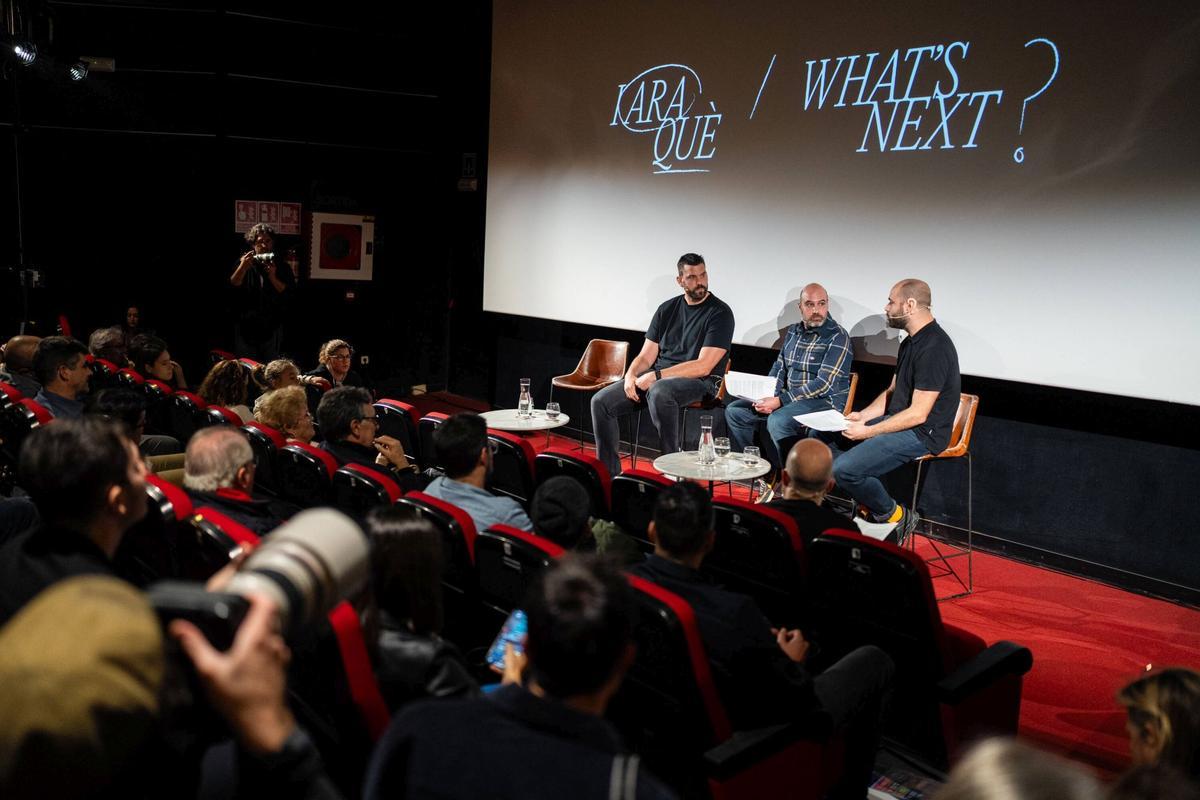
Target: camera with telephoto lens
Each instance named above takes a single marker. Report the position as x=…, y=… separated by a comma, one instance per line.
x=264, y=258
x=306, y=566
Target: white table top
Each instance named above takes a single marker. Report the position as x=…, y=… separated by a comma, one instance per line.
x=506, y=419
x=728, y=468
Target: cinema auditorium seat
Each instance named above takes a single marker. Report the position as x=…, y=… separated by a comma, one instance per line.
x=634, y=493
x=151, y=549
x=304, y=474
x=758, y=551
x=399, y=420
x=425, y=428
x=266, y=442
x=583, y=467
x=512, y=466
x=357, y=489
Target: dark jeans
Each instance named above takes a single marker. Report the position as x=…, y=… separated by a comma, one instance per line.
x=855, y=693
x=664, y=400
x=743, y=423
x=858, y=467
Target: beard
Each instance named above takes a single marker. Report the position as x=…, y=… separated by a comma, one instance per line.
x=897, y=322
x=698, y=294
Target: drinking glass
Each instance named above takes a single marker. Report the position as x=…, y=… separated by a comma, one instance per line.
x=721, y=446
x=750, y=456
x=552, y=410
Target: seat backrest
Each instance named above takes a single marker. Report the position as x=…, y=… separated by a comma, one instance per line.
x=266, y=442
x=759, y=551
x=188, y=413
x=19, y=420
x=130, y=378
x=212, y=540
x=507, y=560
x=425, y=428
x=357, y=489
x=964, y=425
x=9, y=394
x=667, y=708
x=158, y=406
x=356, y=663
x=304, y=474
x=216, y=356
x=846, y=409
x=458, y=534
x=867, y=592
x=151, y=549
x=220, y=415
x=634, y=493
x=583, y=467
x=604, y=360
x=512, y=466
x=104, y=373
x=399, y=420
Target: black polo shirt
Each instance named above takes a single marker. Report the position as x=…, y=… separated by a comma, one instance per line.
x=928, y=362
x=681, y=330
x=812, y=519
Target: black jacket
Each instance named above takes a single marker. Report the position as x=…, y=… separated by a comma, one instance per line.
x=412, y=667
x=43, y=556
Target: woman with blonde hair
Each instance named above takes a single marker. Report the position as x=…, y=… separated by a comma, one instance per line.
x=335, y=356
x=280, y=373
x=1163, y=719
x=286, y=410
x=1005, y=769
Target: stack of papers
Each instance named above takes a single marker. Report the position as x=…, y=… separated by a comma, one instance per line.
x=828, y=420
x=748, y=386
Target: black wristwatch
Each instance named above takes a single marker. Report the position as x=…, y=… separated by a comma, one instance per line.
x=658, y=374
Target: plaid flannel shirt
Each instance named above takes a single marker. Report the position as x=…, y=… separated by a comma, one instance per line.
x=814, y=362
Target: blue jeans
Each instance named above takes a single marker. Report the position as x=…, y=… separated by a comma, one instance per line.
x=857, y=468
x=743, y=422
x=664, y=400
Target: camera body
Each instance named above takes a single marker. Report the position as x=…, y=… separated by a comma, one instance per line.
x=264, y=258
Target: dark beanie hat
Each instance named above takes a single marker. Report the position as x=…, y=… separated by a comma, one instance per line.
x=560, y=510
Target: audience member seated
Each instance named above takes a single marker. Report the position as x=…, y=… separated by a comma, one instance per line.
x=559, y=512
x=1163, y=710
x=280, y=373
x=88, y=482
x=760, y=670
x=17, y=366
x=109, y=344
x=63, y=371
x=1005, y=769
x=541, y=737
x=129, y=408
x=17, y=515
x=1154, y=782
x=807, y=477
x=350, y=430
x=412, y=660
x=335, y=358
x=227, y=384
x=131, y=328
x=151, y=359
x=219, y=472
x=286, y=410
x=462, y=446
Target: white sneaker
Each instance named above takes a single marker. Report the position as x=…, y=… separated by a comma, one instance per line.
x=766, y=492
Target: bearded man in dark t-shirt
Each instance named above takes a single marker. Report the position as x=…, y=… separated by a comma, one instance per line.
x=913, y=417
x=682, y=360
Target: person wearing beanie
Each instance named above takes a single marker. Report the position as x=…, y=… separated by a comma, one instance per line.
x=560, y=512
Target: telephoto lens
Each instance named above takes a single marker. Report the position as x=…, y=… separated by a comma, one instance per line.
x=263, y=258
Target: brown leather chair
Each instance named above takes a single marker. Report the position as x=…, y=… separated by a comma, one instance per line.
x=850, y=395
x=602, y=364
x=959, y=447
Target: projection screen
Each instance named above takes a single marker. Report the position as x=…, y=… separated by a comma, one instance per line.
x=1035, y=162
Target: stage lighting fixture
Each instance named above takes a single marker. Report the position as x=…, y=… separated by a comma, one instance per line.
x=79, y=70
x=26, y=52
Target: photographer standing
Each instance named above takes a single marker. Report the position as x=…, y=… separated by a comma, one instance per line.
x=263, y=281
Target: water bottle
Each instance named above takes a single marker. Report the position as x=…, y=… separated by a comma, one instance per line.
x=708, y=453
x=525, y=401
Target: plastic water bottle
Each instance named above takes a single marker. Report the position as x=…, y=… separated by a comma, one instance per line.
x=708, y=453
x=525, y=401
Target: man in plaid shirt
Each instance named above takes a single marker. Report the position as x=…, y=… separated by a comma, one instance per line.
x=812, y=373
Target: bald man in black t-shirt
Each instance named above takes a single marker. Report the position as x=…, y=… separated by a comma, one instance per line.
x=913, y=417
x=682, y=360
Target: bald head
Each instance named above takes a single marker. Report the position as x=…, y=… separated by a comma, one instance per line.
x=809, y=467
x=218, y=458
x=814, y=305
x=18, y=353
x=914, y=289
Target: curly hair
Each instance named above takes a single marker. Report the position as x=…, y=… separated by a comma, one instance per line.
x=281, y=408
x=258, y=230
x=226, y=384
x=328, y=348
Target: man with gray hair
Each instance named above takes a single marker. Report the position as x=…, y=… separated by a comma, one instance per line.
x=218, y=472
x=109, y=344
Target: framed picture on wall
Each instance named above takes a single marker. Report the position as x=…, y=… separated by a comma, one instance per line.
x=342, y=247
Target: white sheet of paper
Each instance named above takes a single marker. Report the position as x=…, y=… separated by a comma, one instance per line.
x=749, y=386
x=827, y=420
x=874, y=530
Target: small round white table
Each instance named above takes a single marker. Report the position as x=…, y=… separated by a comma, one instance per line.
x=506, y=419
x=725, y=469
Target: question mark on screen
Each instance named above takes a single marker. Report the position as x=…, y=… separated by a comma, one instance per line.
x=1019, y=153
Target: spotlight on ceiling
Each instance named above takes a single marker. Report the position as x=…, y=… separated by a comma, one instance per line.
x=26, y=52
x=78, y=70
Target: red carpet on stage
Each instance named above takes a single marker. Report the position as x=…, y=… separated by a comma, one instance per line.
x=1088, y=640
